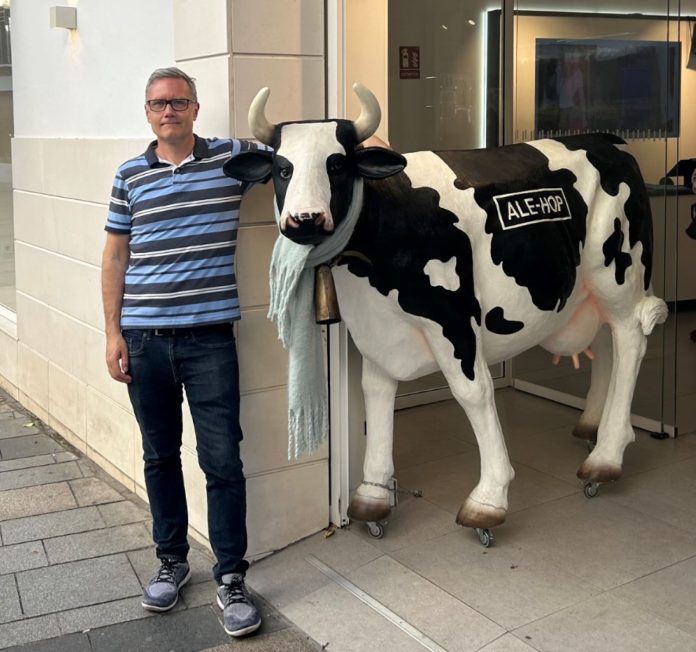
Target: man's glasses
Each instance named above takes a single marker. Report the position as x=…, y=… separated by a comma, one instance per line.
x=178, y=104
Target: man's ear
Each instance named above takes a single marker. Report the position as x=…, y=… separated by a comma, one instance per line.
x=379, y=163
x=255, y=166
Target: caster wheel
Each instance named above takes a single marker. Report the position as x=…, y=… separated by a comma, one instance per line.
x=375, y=529
x=485, y=536
x=591, y=489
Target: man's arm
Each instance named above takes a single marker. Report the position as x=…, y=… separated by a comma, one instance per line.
x=114, y=264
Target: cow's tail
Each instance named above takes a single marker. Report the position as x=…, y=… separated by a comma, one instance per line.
x=650, y=311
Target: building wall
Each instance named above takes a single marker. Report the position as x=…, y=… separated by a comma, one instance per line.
x=64, y=156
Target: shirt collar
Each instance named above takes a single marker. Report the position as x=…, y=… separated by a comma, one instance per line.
x=200, y=150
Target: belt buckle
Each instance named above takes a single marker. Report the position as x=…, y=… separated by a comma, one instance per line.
x=161, y=332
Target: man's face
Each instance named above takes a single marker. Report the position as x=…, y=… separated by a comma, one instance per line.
x=170, y=125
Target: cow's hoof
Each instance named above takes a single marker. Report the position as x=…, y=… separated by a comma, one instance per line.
x=367, y=508
x=478, y=515
x=602, y=472
x=585, y=431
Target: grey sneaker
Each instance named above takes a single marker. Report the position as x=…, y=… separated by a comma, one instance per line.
x=239, y=613
x=162, y=591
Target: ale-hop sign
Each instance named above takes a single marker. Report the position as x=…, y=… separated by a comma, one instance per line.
x=409, y=62
x=518, y=209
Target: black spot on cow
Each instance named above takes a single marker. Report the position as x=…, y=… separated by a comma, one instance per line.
x=497, y=323
x=543, y=255
x=616, y=167
x=613, y=254
x=400, y=230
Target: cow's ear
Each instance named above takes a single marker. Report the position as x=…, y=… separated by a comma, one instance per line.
x=254, y=166
x=379, y=163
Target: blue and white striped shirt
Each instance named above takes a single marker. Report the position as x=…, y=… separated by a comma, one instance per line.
x=182, y=221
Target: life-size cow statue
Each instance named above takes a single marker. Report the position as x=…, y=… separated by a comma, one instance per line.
x=460, y=259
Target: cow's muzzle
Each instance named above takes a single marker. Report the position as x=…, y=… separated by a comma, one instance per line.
x=306, y=227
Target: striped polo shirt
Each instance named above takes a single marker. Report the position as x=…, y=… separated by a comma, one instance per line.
x=182, y=222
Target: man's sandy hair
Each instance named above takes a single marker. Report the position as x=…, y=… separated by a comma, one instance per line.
x=172, y=73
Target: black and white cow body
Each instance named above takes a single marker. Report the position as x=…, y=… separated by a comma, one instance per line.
x=460, y=259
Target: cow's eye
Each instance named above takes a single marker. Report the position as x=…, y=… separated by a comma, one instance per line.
x=285, y=173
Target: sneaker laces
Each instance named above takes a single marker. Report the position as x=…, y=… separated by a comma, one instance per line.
x=166, y=572
x=235, y=593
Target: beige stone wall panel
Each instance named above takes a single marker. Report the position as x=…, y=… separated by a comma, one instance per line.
x=254, y=249
x=109, y=431
x=264, y=417
x=296, y=27
x=8, y=359
x=200, y=28
x=66, y=284
x=72, y=228
x=32, y=379
x=66, y=400
x=284, y=507
x=296, y=83
x=263, y=362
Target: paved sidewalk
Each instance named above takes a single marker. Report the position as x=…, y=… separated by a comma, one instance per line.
x=75, y=549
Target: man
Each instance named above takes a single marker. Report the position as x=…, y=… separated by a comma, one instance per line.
x=170, y=298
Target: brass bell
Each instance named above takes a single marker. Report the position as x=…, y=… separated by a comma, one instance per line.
x=325, y=300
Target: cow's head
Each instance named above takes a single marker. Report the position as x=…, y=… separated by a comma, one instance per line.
x=314, y=165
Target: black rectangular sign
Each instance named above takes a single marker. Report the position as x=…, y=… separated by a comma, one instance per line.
x=518, y=209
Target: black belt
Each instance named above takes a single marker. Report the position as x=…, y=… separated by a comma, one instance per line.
x=187, y=330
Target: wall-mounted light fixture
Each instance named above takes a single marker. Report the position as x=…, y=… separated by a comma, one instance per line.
x=65, y=17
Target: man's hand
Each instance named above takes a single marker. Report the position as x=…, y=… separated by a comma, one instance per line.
x=117, y=358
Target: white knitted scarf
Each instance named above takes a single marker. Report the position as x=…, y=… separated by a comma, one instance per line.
x=292, y=308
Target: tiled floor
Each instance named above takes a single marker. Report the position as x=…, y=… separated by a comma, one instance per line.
x=616, y=572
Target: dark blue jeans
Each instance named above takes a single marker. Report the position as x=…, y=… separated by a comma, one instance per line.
x=202, y=361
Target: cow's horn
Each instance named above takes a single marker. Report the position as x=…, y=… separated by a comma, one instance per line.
x=261, y=129
x=370, y=114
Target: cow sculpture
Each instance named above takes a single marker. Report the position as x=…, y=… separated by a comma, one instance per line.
x=460, y=259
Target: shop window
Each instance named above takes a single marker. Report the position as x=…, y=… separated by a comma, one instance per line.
x=7, y=258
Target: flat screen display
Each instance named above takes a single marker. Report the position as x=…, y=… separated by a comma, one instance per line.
x=626, y=87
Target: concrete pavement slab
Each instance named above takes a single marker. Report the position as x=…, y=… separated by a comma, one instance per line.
x=38, y=460
x=72, y=643
x=123, y=513
x=93, y=491
x=287, y=640
x=36, y=500
x=77, y=584
x=22, y=556
x=18, y=428
x=185, y=631
x=102, y=615
x=44, y=526
x=97, y=543
x=10, y=608
x=39, y=475
x=17, y=447
x=26, y=631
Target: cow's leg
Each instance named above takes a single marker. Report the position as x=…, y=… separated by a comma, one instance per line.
x=372, y=500
x=588, y=424
x=629, y=337
x=486, y=506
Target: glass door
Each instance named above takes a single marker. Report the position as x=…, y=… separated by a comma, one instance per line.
x=437, y=85
x=610, y=70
